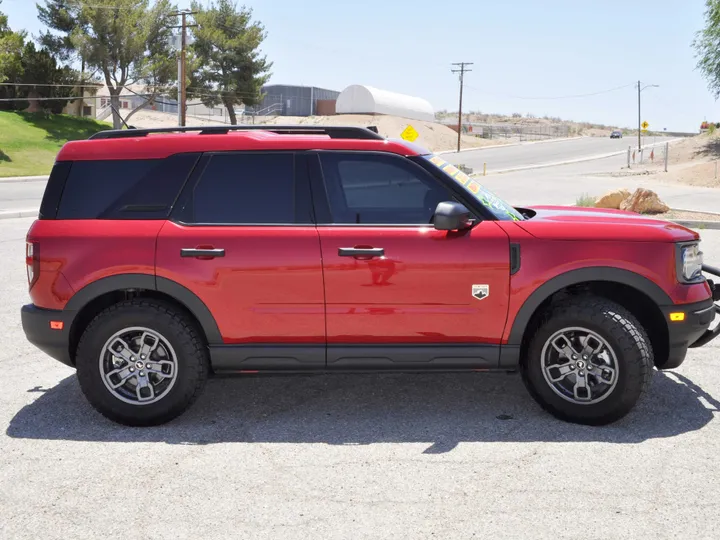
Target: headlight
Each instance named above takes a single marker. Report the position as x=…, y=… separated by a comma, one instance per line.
x=690, y=263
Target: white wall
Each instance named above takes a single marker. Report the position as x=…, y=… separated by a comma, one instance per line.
x=359, y=99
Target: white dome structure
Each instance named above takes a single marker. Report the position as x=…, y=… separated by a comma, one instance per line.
x=359, y=99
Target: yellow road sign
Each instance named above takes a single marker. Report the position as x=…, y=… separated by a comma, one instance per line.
x=644, y=131
x=645, y=125
x=409, y=134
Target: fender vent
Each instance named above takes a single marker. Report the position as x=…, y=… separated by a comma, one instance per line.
x=514, y=258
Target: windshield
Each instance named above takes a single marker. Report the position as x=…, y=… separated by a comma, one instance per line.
x=499, y=208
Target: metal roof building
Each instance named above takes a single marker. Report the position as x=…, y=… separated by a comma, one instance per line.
x=359, y=99
x=292, y=100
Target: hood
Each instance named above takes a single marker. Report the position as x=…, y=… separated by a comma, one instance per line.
x=577, y=223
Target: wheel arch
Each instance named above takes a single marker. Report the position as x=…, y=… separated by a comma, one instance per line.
x=638, y=294
x=96, y=296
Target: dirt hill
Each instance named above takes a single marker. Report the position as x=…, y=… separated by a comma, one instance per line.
x=574, y=129
x=433, y=136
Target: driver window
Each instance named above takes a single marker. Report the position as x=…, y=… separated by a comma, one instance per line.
x=377, y=189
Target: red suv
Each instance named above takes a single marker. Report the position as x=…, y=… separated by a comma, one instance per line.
x=161, y=256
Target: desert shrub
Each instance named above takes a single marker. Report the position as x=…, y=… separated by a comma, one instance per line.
x=586, y=200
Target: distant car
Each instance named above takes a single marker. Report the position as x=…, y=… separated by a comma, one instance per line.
x=617, y=134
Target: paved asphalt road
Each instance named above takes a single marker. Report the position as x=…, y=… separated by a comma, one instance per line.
x=21, y=195
x=523, y=155
x=565, y=183
x=393, y=456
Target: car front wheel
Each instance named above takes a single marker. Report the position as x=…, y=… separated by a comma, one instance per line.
x=589, y=362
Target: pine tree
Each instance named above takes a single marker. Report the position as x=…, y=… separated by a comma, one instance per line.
x=231, y=68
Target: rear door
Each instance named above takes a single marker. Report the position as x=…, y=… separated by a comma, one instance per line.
x=242, y=239
x=399, y=293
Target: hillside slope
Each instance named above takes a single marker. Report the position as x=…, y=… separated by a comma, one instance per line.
x=29, y=142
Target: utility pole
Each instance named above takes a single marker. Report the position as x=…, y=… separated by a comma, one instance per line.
x=640, y=89
x=639, y=120
x=182, y=94
x=461, y=71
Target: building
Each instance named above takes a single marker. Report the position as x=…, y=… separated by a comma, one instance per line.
x=359, y=99
x=86, y=106
x=289, y=100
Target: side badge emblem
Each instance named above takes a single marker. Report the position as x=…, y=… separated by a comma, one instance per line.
x=480, y=292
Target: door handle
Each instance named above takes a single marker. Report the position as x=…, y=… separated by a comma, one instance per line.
x=361, y=252
x=209, y=253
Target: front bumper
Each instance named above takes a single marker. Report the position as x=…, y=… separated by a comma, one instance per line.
x=710, y=334
x=55, y=342
x=694, y=330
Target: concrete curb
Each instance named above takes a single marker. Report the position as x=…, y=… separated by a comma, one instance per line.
x=698, y=224
x=10, y=214
x=566, y=162
x=700, y=211
x=506, y=145
x=10, y=179
x=553, y=164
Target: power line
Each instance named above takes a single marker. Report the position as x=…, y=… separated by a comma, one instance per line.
x=78, y=85
x=571, y=96
x=72, y=98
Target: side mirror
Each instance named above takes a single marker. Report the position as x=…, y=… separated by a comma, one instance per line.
x=451, y=216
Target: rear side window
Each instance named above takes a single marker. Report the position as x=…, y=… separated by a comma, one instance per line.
x=246, y=189
x=124, y=189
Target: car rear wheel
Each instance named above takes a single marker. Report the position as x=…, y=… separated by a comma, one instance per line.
x=141, y=363
x=589, y=362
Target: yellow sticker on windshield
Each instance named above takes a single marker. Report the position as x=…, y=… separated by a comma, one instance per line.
x=451, y=169
x=437, y=161
x=462, y=178
x=474, y=187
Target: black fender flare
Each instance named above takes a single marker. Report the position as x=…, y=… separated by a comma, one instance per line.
x=575, y=277
x=179, y=293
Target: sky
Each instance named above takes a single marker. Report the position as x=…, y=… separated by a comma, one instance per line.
x=529, y=56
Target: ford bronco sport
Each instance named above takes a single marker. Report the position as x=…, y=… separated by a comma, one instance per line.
x=161, y=256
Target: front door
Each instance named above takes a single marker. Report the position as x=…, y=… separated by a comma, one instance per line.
x=400, y=294
x=242, y=240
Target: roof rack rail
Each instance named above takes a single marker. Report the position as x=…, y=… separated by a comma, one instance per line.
x=334, y=132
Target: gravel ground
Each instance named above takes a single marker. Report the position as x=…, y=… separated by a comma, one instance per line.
x=452, y=456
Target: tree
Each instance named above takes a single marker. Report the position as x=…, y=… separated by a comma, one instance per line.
x=10, y=48
x=707, y=46
x=37, y=75
x=40, y=69
x=232, y=70
x=126, y=41
x=60, y=16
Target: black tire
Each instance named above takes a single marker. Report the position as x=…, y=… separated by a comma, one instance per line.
x=191, y=359
x=624, y=335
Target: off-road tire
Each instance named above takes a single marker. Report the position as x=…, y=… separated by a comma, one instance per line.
x=182, y=334
x=628, y=340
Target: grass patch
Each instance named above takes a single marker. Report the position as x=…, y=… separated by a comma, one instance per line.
x=586, y=200
x=29, y=142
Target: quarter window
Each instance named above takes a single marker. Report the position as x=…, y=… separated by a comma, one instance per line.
x=123, y=189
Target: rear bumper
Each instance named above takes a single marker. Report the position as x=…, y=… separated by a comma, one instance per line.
x=54, y=343
x=686, y=333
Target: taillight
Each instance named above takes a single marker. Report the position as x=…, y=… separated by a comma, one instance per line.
x=32, y=262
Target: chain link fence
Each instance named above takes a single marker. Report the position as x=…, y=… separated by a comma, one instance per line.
x=517, y=131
